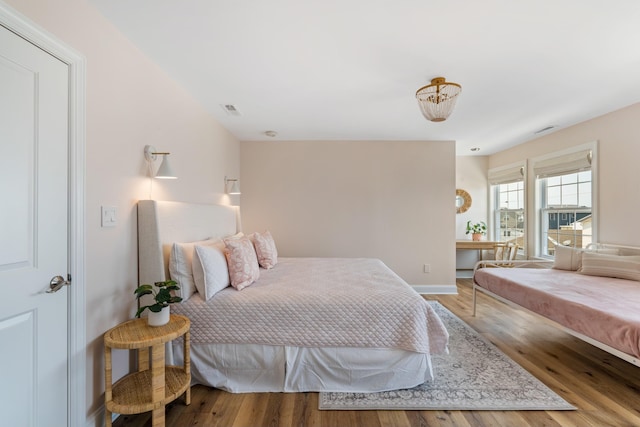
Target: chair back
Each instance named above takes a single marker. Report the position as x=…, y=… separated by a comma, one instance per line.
x=504, y=251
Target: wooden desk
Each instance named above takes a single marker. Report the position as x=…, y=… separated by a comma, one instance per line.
x=475, y=245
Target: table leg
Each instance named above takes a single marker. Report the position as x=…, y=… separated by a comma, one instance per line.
x=107, y=382
x=143, y=359
x=187, y=366
x=157, y=417
x=157, y=383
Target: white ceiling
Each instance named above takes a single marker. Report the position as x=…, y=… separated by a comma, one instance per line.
x=349, y=69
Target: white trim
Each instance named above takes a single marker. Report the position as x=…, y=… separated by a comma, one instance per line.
x=96, y=418
x=31, y=32
x=435, y=289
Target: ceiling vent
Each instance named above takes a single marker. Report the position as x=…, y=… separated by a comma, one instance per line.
x=230, y=109
x=548, y=128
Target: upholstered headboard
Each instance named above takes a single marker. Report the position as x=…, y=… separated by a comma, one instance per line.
x=160, y=224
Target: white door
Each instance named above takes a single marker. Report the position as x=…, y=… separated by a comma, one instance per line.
x=34, y=92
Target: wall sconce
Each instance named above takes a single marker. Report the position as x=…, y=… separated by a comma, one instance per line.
x=231, y=185
x=164, y=171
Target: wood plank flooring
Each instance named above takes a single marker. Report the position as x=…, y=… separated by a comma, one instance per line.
x=605, y=389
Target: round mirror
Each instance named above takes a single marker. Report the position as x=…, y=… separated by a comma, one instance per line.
x=463, y=201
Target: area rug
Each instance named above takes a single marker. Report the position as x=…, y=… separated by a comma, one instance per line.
x=475, y=375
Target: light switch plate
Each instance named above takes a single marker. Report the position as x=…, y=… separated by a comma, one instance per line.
x=108, y=216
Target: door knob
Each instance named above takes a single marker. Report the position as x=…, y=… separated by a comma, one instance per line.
x=58, y=282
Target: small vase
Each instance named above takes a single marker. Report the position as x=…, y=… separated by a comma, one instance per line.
x=160, y=318
x=476, y=237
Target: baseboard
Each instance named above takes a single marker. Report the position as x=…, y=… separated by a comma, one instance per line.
x=436, y=289
x=96, y=419
x=464, y=274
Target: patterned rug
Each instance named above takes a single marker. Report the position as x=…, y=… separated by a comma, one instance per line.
x=475, y=375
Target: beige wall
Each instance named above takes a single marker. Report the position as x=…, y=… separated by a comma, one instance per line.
x=388, y=200
x=618, y=136
x=130, y=103
x=471, y=176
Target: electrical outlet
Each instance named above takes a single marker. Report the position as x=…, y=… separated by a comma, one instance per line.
x=426, y=268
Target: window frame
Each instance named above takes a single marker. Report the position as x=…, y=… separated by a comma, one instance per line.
x=509, y=174
x=540, y=191
x=499, y=212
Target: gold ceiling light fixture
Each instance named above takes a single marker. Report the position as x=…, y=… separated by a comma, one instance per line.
x=438, y=99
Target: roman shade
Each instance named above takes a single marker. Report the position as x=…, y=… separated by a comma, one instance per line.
x=506, y=175
x=565, y=164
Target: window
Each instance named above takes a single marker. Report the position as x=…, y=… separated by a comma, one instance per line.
x=565, y=201
x=509, y=205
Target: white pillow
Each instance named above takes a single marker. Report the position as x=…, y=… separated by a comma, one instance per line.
x=567, y=258
x=210, y=270
x=180, y=269
x=622, y=267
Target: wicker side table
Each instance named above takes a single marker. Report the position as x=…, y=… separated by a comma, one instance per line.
x=154, y=385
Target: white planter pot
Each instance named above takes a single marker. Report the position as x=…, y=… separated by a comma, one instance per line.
x=160, y=318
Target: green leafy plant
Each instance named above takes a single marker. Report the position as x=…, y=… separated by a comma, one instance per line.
x=162, y=295
x=477, y=228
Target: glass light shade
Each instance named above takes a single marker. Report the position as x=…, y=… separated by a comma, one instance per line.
x=438, y=99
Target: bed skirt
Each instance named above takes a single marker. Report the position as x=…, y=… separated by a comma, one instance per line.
x=247, y=368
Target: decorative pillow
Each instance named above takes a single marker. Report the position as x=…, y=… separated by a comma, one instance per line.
x=180, y=259
x=238, y=235
x=210, y=271
x=622, y=267
x=242, y=262
x=265, y=249
x=567, y=258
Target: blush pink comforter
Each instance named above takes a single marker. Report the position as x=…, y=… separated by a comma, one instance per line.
x=320, y=302
x=602, y=308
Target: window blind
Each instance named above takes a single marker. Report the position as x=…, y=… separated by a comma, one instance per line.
x=506, y=175
x=562, y=165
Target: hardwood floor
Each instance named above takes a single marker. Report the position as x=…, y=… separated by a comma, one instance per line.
x=605, y=389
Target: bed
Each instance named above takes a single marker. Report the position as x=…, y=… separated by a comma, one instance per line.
x=307, y=324
x=593, y=294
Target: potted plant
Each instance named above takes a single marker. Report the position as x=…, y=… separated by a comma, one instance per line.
x=476, y=230
x=159, y=312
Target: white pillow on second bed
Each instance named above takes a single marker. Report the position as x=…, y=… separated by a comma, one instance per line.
x=621, y=267
x=568, y=258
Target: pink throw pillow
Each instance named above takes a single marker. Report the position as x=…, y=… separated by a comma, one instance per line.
x=242, y=262
x=265, y=249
